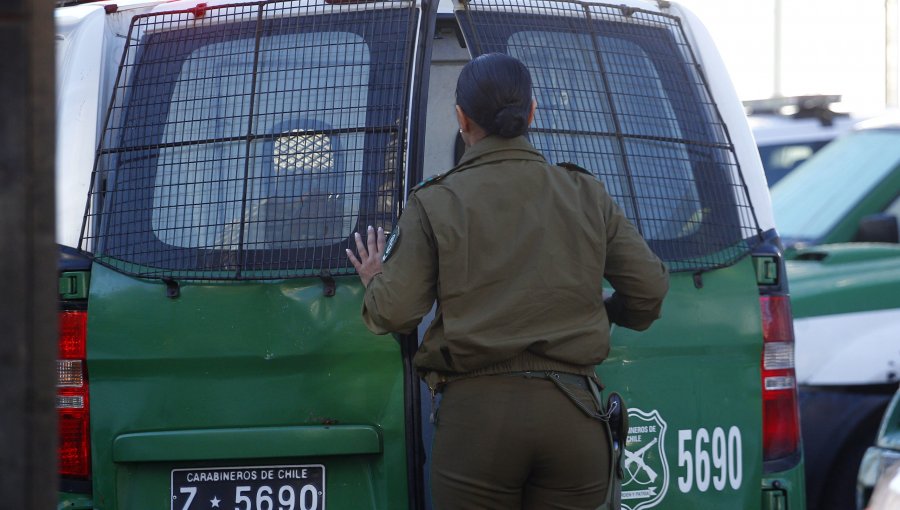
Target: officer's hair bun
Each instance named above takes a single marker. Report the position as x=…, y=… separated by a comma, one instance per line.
x=511, y=121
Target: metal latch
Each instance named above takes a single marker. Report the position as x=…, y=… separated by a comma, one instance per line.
x=328, y=284
x=774, y=499
x=173, y=289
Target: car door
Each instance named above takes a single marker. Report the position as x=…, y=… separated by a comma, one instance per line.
x=243, y=147
x=620, y=94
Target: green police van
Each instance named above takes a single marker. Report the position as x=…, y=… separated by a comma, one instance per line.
x=211, y=350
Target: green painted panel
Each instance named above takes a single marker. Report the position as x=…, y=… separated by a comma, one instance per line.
x=240, y=355
x=280, y=355
x=692, y=383
x=259, y=443
x=845, y=278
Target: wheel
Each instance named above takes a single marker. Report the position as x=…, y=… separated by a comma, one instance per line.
x=839, y=492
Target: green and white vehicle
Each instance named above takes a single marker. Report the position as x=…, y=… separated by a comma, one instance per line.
x=838, y=214
x=212, y=354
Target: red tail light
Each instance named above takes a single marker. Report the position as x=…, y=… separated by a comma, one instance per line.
x=781, y=422
x=72, y=402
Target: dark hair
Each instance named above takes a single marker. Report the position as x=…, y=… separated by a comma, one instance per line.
x=494, y=90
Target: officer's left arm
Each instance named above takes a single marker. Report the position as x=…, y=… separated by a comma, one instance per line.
x=639, y=278
x=403, y=292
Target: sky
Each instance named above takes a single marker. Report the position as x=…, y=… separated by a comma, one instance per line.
x=828, y=47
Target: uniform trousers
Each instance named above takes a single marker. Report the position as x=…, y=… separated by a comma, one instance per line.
x=510, y=442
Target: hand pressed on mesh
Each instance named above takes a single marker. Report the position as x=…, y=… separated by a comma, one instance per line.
x=369, y=262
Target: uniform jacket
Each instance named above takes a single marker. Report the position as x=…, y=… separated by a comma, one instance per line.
x=514, y=250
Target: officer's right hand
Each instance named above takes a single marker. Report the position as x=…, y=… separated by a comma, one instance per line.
x=369, y=262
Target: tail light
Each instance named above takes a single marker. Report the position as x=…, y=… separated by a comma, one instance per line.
x=781, y=422
x=72, y=399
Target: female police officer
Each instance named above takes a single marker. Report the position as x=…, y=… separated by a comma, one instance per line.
x=514, y=250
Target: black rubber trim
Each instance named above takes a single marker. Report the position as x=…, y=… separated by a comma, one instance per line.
x=76, y=486
x=415, y=448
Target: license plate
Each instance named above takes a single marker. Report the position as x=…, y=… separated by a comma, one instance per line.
x=299, y=487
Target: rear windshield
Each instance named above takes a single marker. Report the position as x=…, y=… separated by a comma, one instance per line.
x=253, y=144
x=780, y=160
x=619, y=94
x=811, y=201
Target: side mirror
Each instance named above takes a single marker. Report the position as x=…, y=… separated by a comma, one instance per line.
x=878, y=228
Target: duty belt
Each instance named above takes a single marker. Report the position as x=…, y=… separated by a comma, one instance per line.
x=576, y=380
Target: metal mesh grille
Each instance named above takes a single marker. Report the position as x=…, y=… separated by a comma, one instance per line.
x=252, y=140
x=620, y=94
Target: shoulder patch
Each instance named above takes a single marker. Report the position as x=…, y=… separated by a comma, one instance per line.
x=437, y=178
x=572, y=167
x=391, y=243
x=430, y=180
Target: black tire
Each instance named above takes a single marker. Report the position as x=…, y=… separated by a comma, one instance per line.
x=839, y=492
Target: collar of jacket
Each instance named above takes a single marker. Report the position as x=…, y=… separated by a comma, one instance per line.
x=496, y=148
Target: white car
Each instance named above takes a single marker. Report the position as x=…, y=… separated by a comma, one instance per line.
x=788, y=130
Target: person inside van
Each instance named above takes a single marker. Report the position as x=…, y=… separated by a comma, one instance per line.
x=514, y=250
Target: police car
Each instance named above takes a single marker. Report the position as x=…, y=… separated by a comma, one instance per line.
x=212, y=354
x=839, y=214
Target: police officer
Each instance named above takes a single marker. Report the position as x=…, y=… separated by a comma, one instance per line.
x=514, y=250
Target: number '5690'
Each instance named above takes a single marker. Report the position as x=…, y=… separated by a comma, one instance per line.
x=265, y=498
x=710, y=459
x=286, y=498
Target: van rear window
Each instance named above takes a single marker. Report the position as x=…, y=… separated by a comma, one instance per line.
x=303, y=157
x=253, y=141
x=620, y=94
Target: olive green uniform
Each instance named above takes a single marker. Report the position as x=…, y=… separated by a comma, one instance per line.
x=514, y=251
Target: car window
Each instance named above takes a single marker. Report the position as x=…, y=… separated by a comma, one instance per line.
x=621, y=97
x=810, y=201
x=253, y=142
x=779, y=160
x=894, y=208
x=576, y=102
x=290, y=199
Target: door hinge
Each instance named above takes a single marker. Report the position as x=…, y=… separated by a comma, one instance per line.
x=766, y=269
x=74, y=285
x=328, y=284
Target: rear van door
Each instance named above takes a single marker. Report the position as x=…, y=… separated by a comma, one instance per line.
x=227, y=366
x=621, y=93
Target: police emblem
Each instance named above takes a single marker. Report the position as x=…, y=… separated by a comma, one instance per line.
x=391, y=243
x=646, y=470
